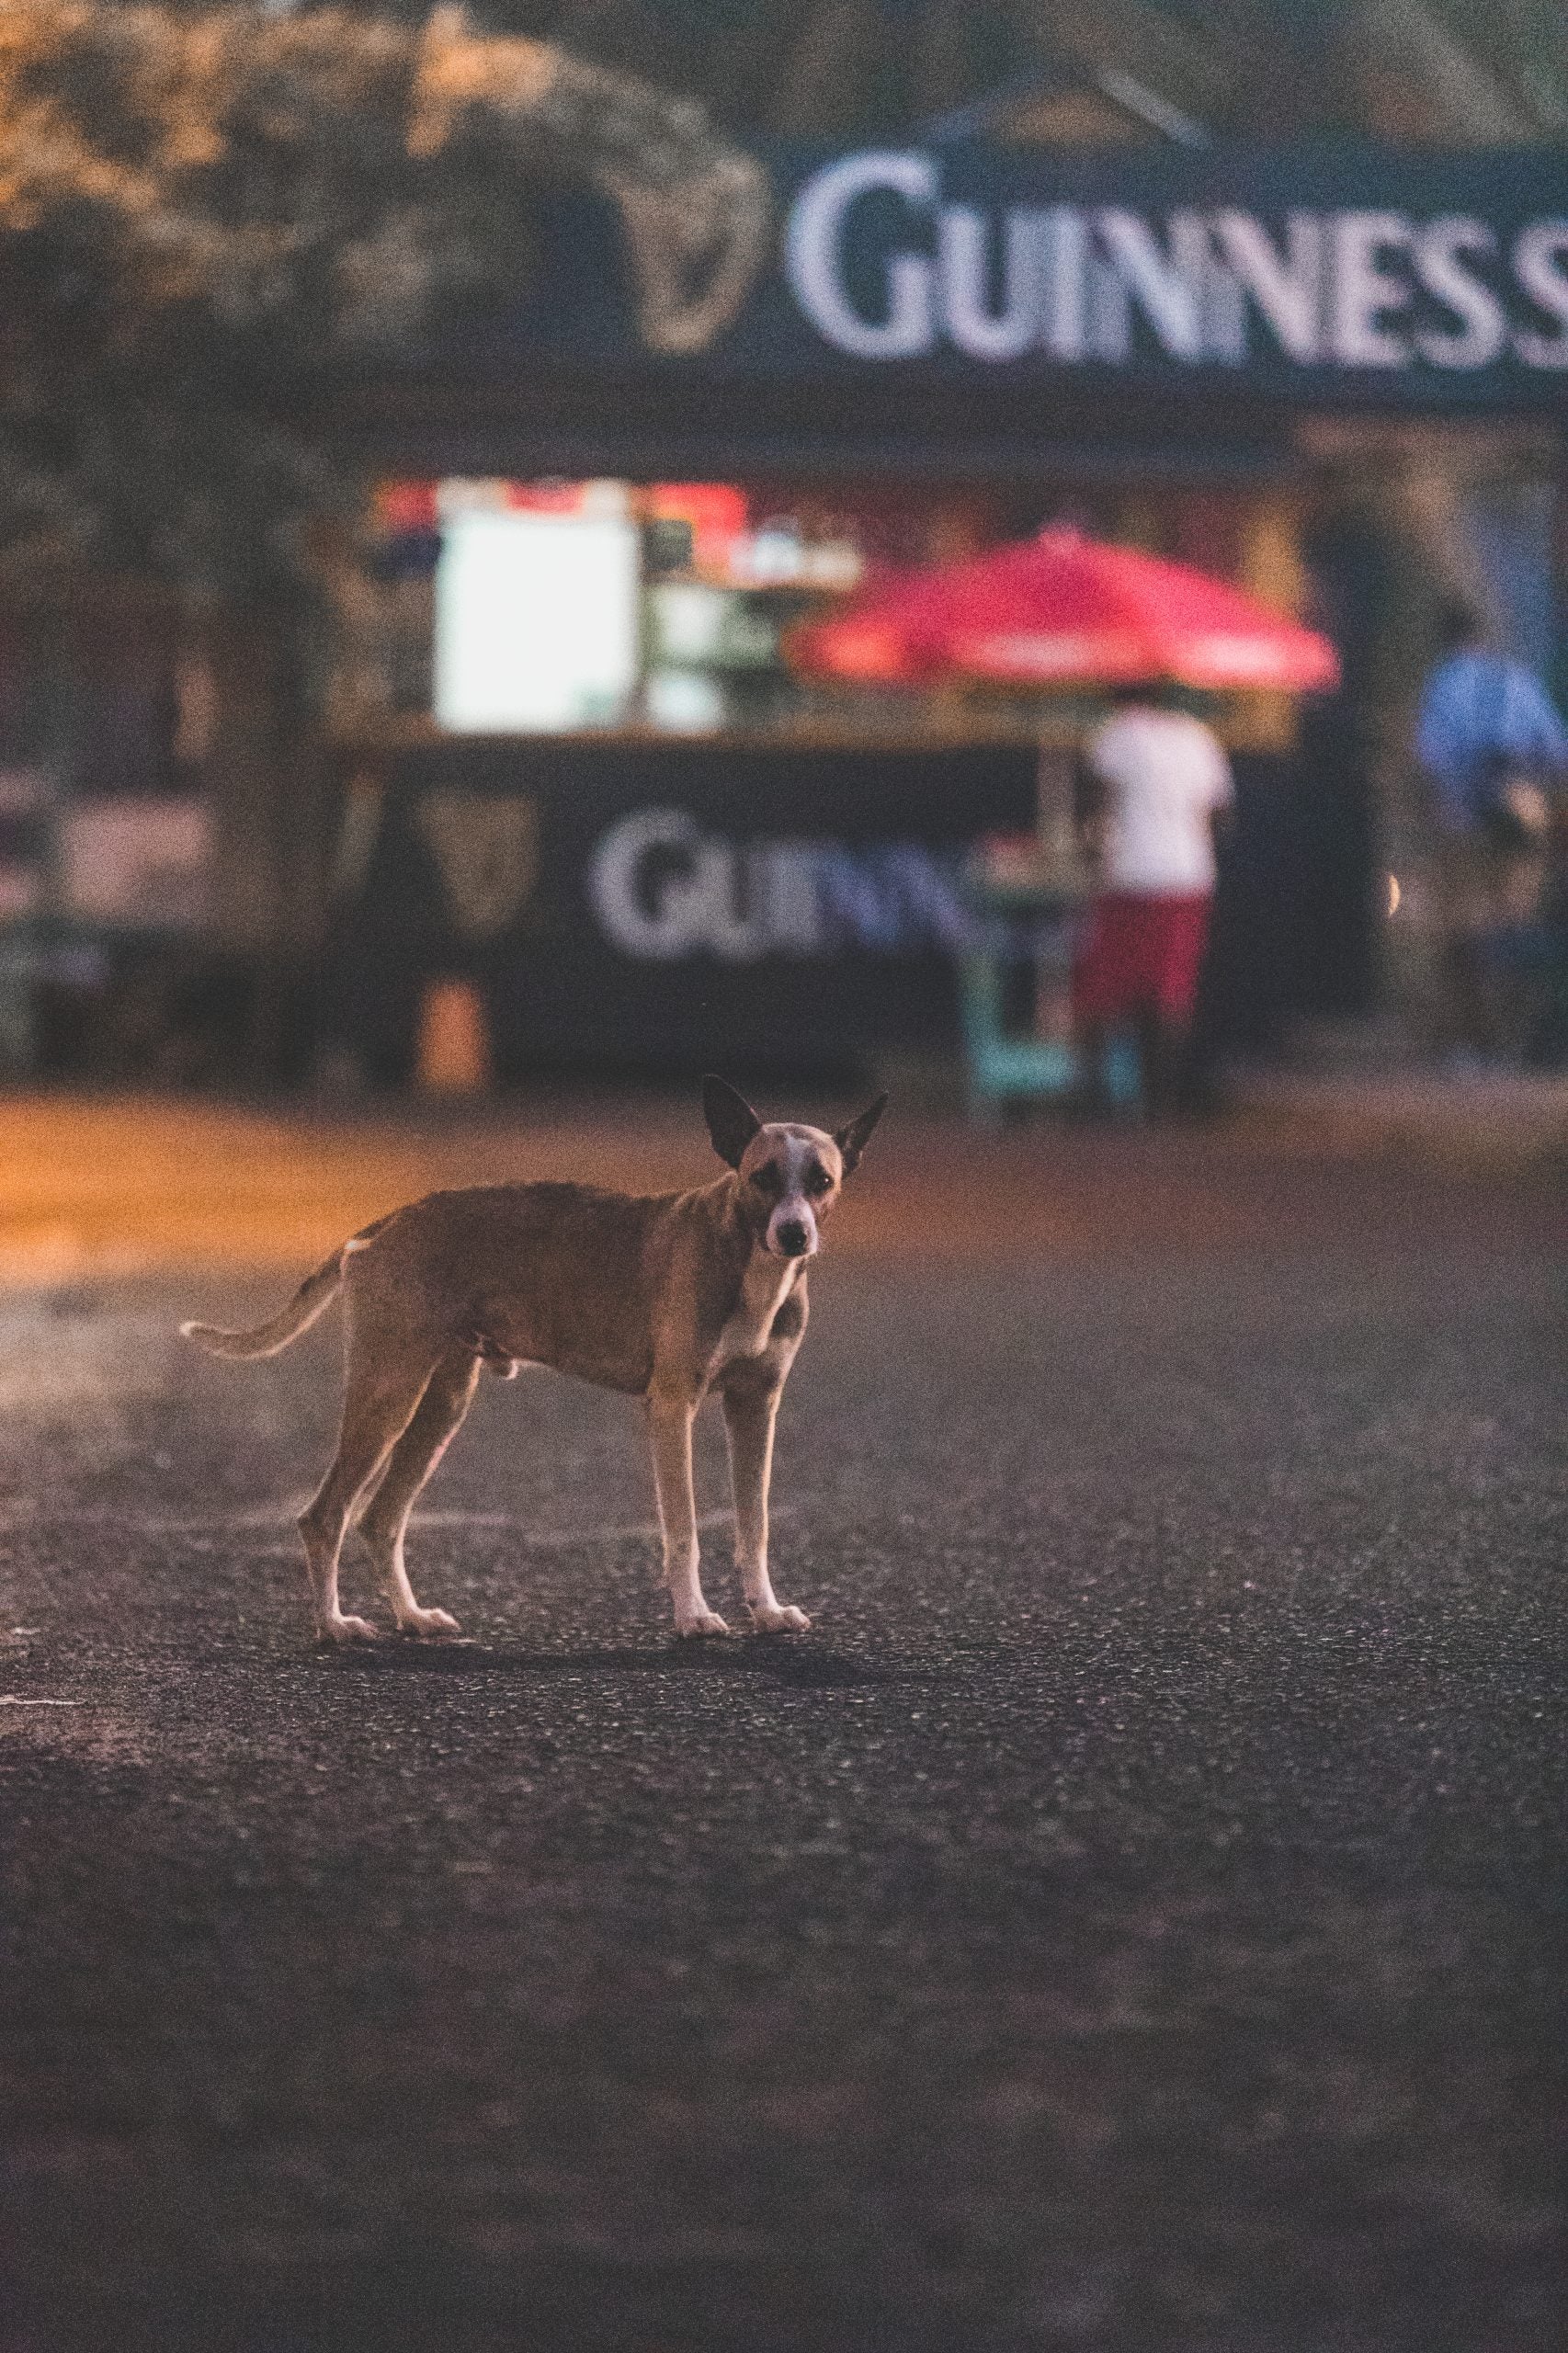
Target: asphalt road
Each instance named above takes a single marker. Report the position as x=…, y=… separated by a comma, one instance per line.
x=1133, y=1917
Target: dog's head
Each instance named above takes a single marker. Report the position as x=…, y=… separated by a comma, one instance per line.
x=789, y=1176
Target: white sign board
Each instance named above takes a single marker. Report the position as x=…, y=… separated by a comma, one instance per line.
x=535, y=622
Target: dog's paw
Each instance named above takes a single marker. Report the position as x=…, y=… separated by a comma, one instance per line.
x=423, y=1622
x=701, y=1621
x=342, y=1629
x=782, y=1619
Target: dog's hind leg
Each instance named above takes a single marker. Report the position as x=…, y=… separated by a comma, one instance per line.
x=413, y=1458
x=379, y=1403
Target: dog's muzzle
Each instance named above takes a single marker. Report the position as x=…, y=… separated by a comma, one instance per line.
x=793, y=1238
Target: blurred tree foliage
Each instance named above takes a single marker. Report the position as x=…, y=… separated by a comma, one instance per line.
x=1427, y=70
x=200, y=205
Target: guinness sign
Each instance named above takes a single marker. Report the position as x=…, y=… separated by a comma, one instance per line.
x=885, y=265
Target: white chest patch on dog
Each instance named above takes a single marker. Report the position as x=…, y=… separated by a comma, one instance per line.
x=765, y=1287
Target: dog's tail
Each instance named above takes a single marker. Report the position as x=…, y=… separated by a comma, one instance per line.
x=313, y=1298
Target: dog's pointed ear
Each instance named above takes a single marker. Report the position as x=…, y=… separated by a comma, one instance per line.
x=732, y=1122
x=852, y=1141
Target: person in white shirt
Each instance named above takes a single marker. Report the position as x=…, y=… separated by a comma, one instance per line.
x=1153, y=785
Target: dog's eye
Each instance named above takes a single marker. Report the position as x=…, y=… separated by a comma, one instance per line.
x=768, y=1179
x=817, y=1179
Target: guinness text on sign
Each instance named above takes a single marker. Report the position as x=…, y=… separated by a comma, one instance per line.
x=886, y=269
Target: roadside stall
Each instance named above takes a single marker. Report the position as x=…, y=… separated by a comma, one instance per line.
x=579, y=811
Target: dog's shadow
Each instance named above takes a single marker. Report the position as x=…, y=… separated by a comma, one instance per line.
x=798, y=1666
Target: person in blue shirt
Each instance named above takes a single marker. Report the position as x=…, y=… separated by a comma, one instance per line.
x=1494, y=751
x=1482, y=718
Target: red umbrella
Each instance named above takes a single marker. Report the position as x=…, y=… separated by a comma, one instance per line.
x=1062, y=610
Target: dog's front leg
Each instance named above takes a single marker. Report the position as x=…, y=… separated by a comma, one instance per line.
x=669, y=1428
x=750, y=1412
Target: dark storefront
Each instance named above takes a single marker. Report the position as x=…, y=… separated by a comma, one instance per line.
x=1217, y=354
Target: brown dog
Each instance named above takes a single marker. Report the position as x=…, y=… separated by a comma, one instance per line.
x=663, y=1296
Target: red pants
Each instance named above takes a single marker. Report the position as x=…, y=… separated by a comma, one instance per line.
x=1141, y=954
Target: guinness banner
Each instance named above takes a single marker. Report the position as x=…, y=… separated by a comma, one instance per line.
x=1352, y=276
x=636, y=908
